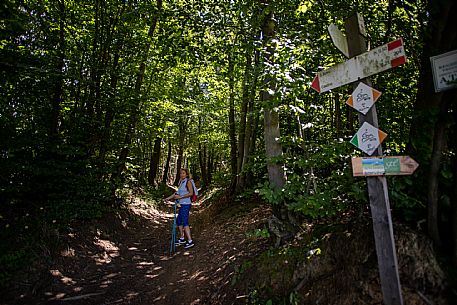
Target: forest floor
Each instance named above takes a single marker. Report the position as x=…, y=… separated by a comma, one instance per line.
x=125, y=259
x=128, y=261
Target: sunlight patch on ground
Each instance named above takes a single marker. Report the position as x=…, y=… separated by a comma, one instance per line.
x=107, y=245
x=69, y=252
x=131, y=295
x=64, y=279
x=146, y=264
x=144, y=209
x=111, y=275
x=196, y=276
x=58, y=296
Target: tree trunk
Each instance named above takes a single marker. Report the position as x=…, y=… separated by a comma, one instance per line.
x=202, y=161
x=252, y=147
x=232, y=128
x=109, y=115
x=337, y=115
x=453, y=140
x=211, y=164
x=251, y=125
x=433, y=187
x=281, y=224
x=155, y=159
x=182, y=137
x=58, y=90
x=202, y=156
x=167, y=163
x=272, y=135
x=427, y=130
x=243, y=124
x=442, y=30
x=135, y=108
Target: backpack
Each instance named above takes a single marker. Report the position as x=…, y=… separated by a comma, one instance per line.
x=194, y=196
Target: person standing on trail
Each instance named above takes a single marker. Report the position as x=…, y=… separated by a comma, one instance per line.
x=182, y=196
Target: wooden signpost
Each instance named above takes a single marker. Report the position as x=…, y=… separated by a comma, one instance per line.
x=360, y=65
x=380, y=166
x=364, y=65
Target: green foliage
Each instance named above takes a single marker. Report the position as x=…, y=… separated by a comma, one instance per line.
x=87, y=88
x=259, y=233
x=319, y=184
x=239, y=271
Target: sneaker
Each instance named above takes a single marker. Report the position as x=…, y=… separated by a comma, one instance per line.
x=189, y=244
x=180, y=242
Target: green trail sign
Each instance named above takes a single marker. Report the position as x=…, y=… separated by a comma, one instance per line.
x=383, y=166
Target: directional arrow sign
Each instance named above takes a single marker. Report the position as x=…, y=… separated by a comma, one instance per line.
x=338, y=38
x=363, y=98
x=368, y=138
x=372, y=62
x=380, y=166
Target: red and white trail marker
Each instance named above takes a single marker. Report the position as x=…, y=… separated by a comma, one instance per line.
x=380, y=59
x=363, y=98
x=368, y=138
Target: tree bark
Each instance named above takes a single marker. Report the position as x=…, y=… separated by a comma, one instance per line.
x=203, y=168
x=243, y=124
x=337, y=115
x=427, y=132
x=58, y=90
x=155, y=159
x=167, y=163
x=202, y=156
x=251, y=125
x=232, y=127
x=281, y=224
x=110, y=113
x=182, y=136
x=433, y=183
x=453, y=144
x=211, y=165
x=272, y=135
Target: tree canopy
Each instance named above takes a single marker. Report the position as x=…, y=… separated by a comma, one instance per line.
x=99, y=98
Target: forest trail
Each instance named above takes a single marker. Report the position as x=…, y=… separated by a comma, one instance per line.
x=133, y=265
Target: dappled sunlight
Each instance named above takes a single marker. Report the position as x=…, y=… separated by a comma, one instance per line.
x=69, y=252
x=64, y=279
x=133, y=265
x=103, y=265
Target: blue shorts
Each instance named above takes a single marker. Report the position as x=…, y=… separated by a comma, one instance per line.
x=183, y=215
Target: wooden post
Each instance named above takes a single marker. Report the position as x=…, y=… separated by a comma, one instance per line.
x=377, y=186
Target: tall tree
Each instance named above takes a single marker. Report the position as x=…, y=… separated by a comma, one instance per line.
x=231, y=115
x=273, y=148
x=428, y=128
x=154, y=163
x=134, y=112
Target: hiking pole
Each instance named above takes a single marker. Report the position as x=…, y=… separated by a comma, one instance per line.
x=173, y=232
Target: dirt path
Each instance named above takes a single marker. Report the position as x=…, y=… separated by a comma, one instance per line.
x=129, y=262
